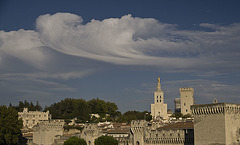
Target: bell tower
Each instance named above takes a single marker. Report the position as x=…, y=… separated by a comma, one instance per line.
x=159, y=109
x=158, y=94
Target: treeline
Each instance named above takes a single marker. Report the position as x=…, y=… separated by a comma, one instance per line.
x=26, y=104
x=134, y=115
x=70, y=108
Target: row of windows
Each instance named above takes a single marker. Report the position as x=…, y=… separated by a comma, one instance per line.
x=159, y=100
x=169, y=134
x=33, y=121
x=33, y=115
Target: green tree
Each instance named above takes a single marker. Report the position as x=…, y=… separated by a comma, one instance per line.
x=9, y=126
x=69, y=109
x=177, y=115
x=75, y=141
x=187, y=116
x=134, y=115
x=26, y=104
x=105, y=140
x=98, y=106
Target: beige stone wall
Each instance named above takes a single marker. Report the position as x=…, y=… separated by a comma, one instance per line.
x=138, y=128
x=31, y=118
x=186, y=95
x=45, y=131
x=232, y=124
x=217, y=123
x=91, y=132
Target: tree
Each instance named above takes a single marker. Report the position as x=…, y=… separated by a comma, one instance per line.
x=105, y=140
x=69, y=109
x=26, y=104
x=134, y=115
x=187, y=116
x=9, y=126
x=75, y=141
x=177, y=115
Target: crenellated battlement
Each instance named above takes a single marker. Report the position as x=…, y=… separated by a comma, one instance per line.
x=52, y=124
x=138, y=126
x=217, y=108
x=186, y=89
x=179, y=140
x=138, y=123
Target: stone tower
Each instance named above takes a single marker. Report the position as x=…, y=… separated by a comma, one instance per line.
x=138, y=130
x=216, y=124
x=177, y=102
x=187, y=100
x=159, y=109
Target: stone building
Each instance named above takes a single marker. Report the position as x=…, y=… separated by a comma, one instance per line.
x=216, y=124
x=186, y=99
x=186, y=95
x=144, y=133
x=90, y=132
x=45, y=131
x=31, y=118
x=159, y=108
x=177, y=102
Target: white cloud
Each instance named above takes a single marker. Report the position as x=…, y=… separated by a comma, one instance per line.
x=23, y=45
x=126, y=41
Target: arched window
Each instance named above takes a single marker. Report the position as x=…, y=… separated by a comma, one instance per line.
x=137, y=143
x=89, y=142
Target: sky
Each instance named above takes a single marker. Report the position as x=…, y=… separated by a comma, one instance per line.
x=115, y=50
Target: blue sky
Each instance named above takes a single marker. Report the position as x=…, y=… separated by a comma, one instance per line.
x=115, y=50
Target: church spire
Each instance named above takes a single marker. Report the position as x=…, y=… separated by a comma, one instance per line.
x=159, y=85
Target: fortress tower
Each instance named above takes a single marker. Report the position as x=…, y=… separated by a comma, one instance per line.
x=159, y=109
x=216, y=124
x=187, y=100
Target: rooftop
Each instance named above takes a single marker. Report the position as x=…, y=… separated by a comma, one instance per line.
x=178, y=125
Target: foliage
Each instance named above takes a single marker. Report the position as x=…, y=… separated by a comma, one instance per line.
x=187, y=116
x=67, y=127
x=9, y=125
x=105, y=140
x=26, y=104
x=134, y=115
x=177, y=115
x=71, y=108
x=75, y=141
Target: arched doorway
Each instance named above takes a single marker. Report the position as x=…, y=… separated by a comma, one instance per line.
x=89, y=142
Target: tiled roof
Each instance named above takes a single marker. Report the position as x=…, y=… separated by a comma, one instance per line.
x=178, y=125
x=118, y=131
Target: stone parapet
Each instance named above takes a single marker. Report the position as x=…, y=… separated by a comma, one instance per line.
x=217, y=108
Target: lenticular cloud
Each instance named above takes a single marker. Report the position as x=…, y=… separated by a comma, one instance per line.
x=126, y=41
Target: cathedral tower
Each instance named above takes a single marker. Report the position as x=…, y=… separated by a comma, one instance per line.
x=159, y=109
